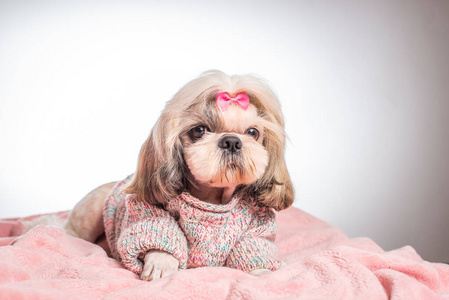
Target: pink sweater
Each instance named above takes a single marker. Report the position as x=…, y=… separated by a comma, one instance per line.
x=238, y=235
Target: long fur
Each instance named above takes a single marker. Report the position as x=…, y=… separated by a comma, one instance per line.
x=162, y=172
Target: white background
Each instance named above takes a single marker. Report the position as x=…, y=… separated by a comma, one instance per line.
x=364, y=87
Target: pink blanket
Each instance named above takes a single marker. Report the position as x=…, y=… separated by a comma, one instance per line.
x=323, y=263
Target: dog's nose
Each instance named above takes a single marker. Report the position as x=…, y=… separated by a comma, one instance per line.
x=230, y=143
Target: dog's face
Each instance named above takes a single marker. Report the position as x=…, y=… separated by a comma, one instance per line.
x=197, y=141
x=230, y=154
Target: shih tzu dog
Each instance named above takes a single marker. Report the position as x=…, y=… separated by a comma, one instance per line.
x=208, y=178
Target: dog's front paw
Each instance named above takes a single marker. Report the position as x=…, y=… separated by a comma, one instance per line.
x=158, y=264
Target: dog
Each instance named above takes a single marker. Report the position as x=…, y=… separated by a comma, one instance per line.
x=208, y=179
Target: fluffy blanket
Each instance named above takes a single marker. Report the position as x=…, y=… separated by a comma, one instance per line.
x=323, y=263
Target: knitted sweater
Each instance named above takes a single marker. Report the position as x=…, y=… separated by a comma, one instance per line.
x=239, y=234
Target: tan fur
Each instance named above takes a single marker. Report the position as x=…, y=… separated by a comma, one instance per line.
x=86, y=218
x=171, y=161
x=164, y=170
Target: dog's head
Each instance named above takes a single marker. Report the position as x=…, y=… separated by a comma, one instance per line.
x=219, y=131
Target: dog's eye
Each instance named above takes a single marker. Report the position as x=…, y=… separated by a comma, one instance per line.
x=198, y=132
x=253, y=132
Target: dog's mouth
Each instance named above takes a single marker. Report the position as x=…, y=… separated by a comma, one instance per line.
x=232, y=168
x=231, y=161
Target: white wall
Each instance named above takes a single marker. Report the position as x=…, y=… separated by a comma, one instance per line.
x=364, y=87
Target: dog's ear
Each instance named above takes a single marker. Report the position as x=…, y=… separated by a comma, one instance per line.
x=160, y=167
x=274, y=188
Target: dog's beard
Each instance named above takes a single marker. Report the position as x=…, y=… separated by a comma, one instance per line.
x=217, y=167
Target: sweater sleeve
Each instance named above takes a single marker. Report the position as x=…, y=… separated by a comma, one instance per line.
x=256, y=248
x=147, y=227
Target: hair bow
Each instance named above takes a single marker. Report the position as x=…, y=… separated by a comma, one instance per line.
x=224, y=100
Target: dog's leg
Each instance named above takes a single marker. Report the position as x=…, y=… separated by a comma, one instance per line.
x=86, y=218
x=158, y=264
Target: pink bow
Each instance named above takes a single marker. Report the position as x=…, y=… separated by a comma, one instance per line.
x=223, y=100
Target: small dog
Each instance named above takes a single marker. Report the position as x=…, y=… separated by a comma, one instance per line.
x=208, y=178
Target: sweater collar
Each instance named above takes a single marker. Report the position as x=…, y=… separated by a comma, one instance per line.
x=217, y=208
